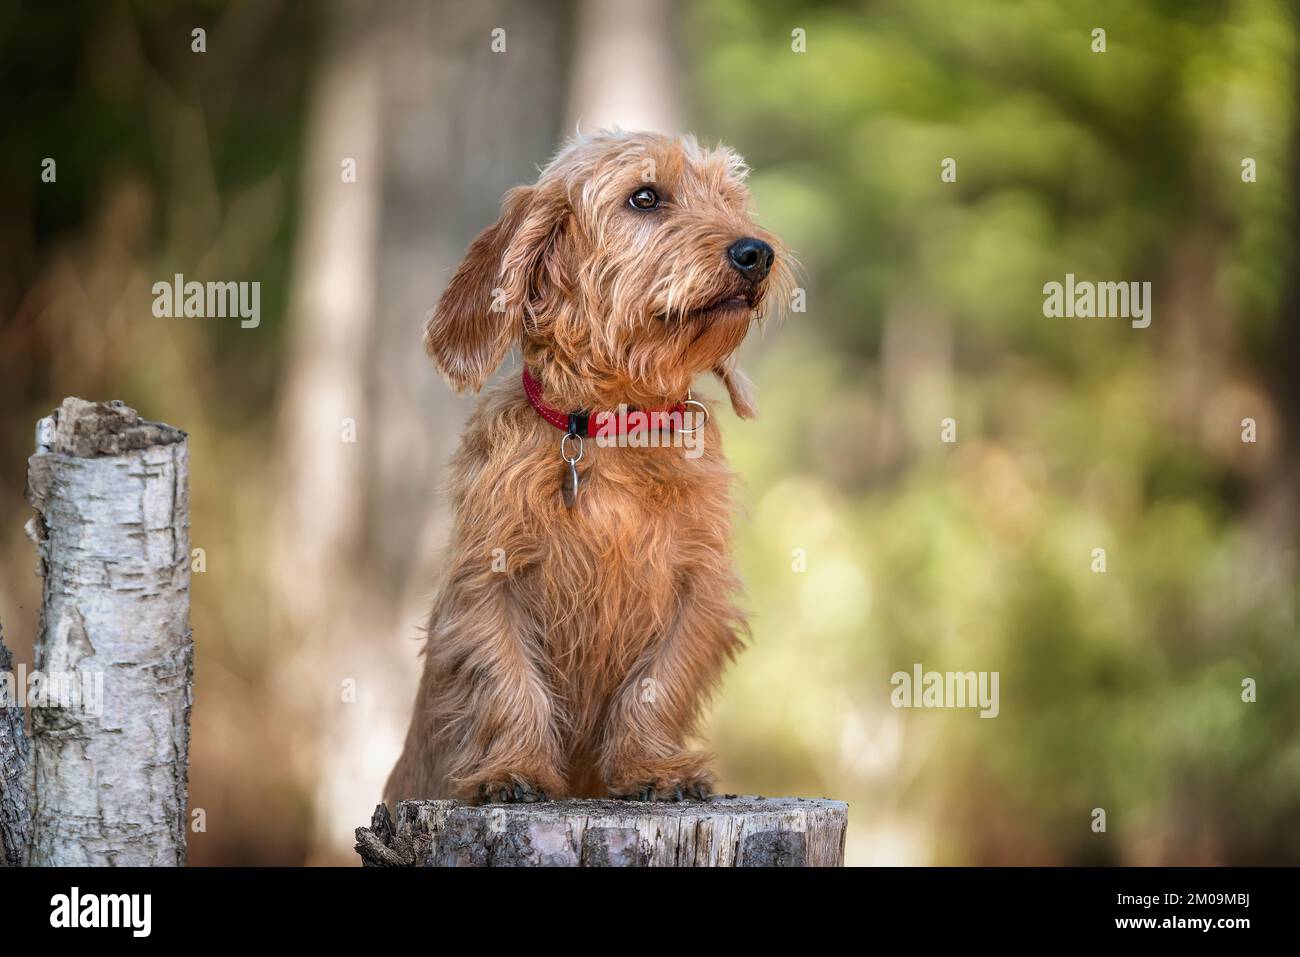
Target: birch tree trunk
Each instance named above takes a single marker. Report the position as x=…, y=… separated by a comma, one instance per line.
x=721, y=832
x=110, y=745
x=625, y=77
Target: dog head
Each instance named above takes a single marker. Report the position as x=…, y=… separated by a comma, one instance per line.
x=631, y=266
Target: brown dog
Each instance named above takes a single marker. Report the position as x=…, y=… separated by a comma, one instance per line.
x=580, y=630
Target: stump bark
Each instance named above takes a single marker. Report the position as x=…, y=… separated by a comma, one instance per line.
x=15, y=767
x=721, y=832
x=110, y=741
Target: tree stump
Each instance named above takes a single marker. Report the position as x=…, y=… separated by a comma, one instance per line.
x=111, y=761
x=721, y=832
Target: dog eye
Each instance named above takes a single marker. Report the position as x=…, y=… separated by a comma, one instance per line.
x=644, y=198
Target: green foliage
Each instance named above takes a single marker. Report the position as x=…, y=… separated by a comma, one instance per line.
x=1121, y=689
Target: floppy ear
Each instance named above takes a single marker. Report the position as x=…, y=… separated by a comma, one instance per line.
x=481, y=311
x=739, y=389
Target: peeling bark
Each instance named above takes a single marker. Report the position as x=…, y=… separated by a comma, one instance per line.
x=15, y=768
x=112, y=538
x=720, y=832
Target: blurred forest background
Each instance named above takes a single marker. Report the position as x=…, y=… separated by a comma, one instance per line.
x=1119, y=690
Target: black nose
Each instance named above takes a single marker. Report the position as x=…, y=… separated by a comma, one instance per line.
x=752, y=258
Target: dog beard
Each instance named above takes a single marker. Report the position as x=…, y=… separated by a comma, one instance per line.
x=717, y=336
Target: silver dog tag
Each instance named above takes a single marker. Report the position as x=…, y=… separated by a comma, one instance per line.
x=571, y=484
x=571, y=460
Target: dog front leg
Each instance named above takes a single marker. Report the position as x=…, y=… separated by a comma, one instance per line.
x=498, y=716
x=643, y=750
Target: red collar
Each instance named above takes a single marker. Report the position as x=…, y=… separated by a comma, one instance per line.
x=618, y=422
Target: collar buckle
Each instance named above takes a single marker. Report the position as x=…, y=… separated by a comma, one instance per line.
x=578, y=422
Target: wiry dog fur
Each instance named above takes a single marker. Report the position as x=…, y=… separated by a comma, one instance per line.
x=581, y=669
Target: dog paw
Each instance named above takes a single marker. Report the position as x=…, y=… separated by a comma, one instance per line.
x=510, y=791
x=696, y=790
x=683, y=778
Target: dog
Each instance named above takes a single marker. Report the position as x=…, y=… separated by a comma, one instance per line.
x=590, y=604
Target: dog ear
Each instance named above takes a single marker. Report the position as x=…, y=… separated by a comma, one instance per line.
x=739, y=389
x=481, y=311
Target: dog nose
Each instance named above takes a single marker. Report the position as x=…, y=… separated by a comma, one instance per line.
x=752, y=258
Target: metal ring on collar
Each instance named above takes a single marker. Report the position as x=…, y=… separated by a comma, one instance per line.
x=702, y=407
x=564, y=449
